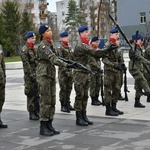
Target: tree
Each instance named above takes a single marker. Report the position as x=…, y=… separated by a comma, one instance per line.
x=73, y=19
x=11, y=21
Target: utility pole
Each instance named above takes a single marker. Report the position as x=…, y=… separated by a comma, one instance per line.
x=98, y=18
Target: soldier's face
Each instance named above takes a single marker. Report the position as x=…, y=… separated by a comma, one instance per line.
x=85, y=34
x=48, y=33
x=65, y=39
x=115, y=36
x=31, y=39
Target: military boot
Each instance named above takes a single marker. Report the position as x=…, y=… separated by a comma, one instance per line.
x=1, y=123
x=109, y=111
x=114, y=108
x=33, y=116
x=44, y=129
x=51, y=128
x=79, y=119
x=63, y=106
x=95, y=102
x=137, y=103
x=84, y=116
x=148, y=98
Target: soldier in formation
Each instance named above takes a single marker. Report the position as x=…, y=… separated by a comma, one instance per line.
x=2, y=85
x=65, y=75
x=28, y=57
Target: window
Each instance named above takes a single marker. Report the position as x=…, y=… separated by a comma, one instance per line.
x=143, y=17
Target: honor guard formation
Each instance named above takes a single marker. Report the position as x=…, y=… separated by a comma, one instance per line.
x=94, y=68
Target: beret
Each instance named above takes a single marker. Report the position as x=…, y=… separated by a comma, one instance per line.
x=29, y=34
x=83, y=28
x=148, y=38
x=63, y=34
x=138, y=37
x=43, y=28
x=95, y=38
x=114, y=30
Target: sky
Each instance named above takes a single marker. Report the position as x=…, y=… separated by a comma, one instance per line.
x=52, y=5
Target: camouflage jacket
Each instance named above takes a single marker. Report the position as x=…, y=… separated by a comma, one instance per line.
x=83, y=51
x=113, y=57
x=28, y=57
x=2, y=64
x=47, y=59
x=139, y=61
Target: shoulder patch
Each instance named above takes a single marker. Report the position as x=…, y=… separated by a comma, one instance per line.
x=24, y=56
x=43, y=47
x=47, y=52
x=59, y=48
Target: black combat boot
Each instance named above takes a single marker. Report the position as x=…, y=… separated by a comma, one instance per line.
x=33, y=116
x=79, y=119
x=116, y=110
x=1, y=123
x=109, y=111
x=51, y=128
x=63, y=106
x=84, y=116
x=137, y=103
x=44, y=129
x=95, y=101
x=148, y=98
x=120, y=97
x=67, y=106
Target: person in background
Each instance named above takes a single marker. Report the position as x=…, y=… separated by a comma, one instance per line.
x=29, y=61
x=137, y=66
x=65, y=75
x=2, y=84
x=95, y=80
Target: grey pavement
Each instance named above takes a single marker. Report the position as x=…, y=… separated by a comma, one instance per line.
x=130, y=131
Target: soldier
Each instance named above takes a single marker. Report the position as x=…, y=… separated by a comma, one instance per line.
x=113, y=65
x=47, y=59
x=147, y=70
x=136, y=67
x=2, y=85
x=95, y=65
x=28, y=57
x=82, y=78
x=64, y=74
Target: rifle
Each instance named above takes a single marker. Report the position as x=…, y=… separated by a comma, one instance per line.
x=102, y=87
x=76, y=65
x=120, y=30
x=135, y=48
x=125, y=85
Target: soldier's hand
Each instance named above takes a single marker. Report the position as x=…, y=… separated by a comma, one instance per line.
x=33, y=78
x=112, y=47
x=70, y=65
x=118, y=67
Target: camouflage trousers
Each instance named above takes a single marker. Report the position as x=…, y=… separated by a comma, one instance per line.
x=140, y=83
x=81, y=86
x=95, y=84
x=111, y=86
x=2, y=92
x=65, y=84
x=47, y=92
x=31, y=91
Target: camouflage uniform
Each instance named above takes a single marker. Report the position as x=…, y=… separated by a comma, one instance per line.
x=95, y=80
x=2, y=84
x=46, y=79
x=138, y=74
x=112, y=81
x=28, y=57
x=82, y=81
x=65, y=77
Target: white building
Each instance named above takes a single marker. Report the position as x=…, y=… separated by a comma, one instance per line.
x=36, y=8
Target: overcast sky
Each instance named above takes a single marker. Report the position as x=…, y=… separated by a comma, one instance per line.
x=52, y=5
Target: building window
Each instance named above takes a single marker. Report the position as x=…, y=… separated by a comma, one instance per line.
x=143, y=17
x=63, y=13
